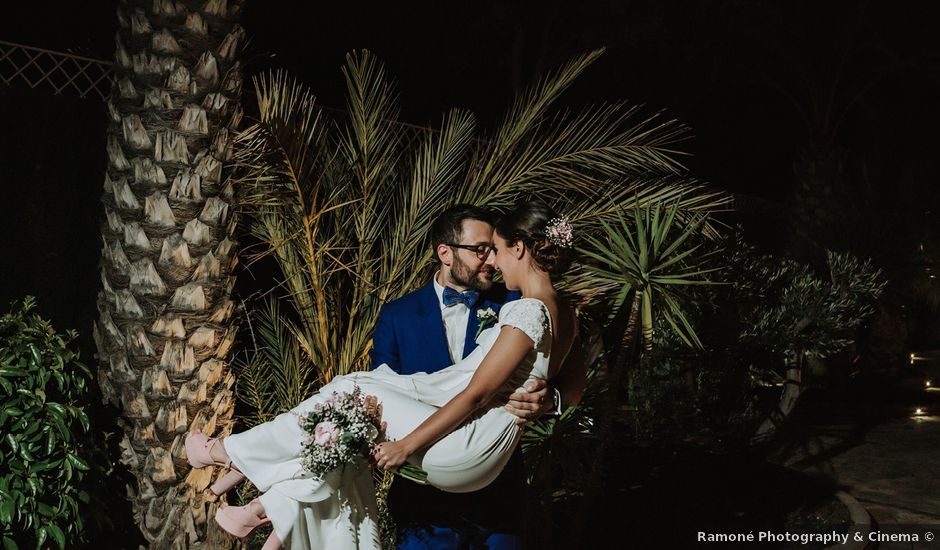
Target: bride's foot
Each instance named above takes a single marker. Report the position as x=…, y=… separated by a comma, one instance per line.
x=242, y=520
x=203, y=451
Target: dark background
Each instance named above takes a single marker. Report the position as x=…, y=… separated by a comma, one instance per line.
x=746, y=76
x=758, y=82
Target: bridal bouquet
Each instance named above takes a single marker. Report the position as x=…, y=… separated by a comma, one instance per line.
x=341, y=430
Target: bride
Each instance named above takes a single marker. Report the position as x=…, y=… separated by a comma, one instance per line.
x=451, y=423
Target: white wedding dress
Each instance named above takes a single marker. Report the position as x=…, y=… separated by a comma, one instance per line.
x=339, y=511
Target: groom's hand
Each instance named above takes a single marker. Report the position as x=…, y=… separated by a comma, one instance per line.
x=531, y=403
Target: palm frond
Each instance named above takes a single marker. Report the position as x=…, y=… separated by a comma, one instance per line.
x=344, y=204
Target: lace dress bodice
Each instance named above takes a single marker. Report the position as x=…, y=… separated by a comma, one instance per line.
x=531, y=317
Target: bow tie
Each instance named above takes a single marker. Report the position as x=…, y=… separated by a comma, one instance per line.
x=468, y=297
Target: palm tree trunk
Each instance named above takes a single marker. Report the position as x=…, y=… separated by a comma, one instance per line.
x=628, y=352
x=166, y=326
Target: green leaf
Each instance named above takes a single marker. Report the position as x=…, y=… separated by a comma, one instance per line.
x=9, y=544
x=78, y=462
x=71, y=503
x=57, y=534
x=12, y=372
x=83, y=419
x=64, y=432
x=37, y=356
x=11, y=441
x=45, y=510
x=50, y=442
x=26, y=454
x=57, y=408
x=34, y=486
x=42, y=534
x=44, y=466
x=6, y=510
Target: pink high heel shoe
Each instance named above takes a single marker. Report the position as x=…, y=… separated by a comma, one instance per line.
x=239, y=520
x=198, y=448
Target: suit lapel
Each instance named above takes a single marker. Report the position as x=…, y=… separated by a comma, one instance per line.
x=472, y=324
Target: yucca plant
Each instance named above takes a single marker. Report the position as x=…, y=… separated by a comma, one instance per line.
x=631, y=264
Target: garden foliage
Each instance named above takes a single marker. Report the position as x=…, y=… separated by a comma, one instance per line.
x=43, y=386
x=771, y=310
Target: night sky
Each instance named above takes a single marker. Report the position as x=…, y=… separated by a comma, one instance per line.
x=755, y=80
x=738, y=72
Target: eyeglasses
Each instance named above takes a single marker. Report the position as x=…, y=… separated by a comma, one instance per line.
x=481, y=250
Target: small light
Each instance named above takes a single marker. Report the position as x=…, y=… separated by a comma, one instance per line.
x=912, y=358
x=918, y=411
x=927, y=383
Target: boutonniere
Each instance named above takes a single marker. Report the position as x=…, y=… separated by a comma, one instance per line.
x=485, y=318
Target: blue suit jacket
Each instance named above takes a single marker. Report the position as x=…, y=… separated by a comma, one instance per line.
x=409, y=335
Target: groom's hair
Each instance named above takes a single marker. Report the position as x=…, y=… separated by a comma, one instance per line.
x=449, y=224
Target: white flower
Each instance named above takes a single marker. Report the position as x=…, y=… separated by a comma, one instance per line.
x=485, y=318
x=486, y=315
x=560, y=232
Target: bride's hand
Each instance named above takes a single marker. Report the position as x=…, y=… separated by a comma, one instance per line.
x=531, y=401
x=390, y=454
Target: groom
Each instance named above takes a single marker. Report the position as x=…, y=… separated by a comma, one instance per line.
x=432, y=328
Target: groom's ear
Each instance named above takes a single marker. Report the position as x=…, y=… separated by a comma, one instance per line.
x=445, y=254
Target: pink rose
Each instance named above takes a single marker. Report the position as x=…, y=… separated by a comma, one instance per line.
x=326, y=433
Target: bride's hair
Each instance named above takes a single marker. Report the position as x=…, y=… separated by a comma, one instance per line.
x=527, y=223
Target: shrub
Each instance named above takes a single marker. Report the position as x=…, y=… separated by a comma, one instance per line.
x=42, y=431
x=773, y=310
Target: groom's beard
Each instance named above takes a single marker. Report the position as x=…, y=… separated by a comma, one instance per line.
x=463, y=275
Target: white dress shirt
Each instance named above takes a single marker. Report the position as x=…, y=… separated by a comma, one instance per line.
x=455, y=318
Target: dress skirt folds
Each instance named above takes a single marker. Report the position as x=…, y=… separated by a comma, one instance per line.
x=339, y=511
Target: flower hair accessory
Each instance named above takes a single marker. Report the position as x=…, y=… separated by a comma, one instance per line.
x=560, y=232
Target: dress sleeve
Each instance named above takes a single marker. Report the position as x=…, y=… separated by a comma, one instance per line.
x=529, y=316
